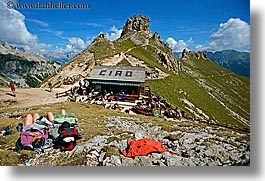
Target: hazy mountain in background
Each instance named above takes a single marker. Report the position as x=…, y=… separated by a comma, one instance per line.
x=26, y=69
x=237, y=62
x=61, y=57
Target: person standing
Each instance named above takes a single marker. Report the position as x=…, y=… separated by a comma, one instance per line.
x=13, y=88
x=50, y=86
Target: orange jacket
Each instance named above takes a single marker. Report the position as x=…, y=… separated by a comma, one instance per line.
x=143, y=147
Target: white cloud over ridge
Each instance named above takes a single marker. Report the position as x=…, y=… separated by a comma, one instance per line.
x=12, y=28
x=77, y=43
x=114, y=33
x=233, y=34
x=178, y=46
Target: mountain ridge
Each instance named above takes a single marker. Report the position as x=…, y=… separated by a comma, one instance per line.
x=26, y=69
x=235, y=61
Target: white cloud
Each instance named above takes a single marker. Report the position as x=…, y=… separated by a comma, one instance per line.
x=233, y=34
x=14, y=31
x=77, y=43
x=63, y=53
x=178, y=46
x=42, y=47
x=72, y=47
x=12, y=27
x=41, y=23
x=54, y=32
x=94, y=25
x=114, y=33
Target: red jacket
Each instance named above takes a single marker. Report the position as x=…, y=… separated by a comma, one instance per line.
x=12, y=86
x=143, y=147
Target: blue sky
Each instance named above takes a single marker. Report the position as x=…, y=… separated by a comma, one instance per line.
x=197, y=25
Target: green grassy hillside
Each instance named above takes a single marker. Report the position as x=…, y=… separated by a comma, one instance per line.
x=222, y=95
x=202, y=87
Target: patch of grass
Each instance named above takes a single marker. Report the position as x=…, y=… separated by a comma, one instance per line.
x=113, y=138
x=78, y=159
x=123, y=135
x=9, y=158
x=124, y=63
x=111, y=151
x=147, y=54
x=173, y=137
x=12, y=158
x=123, y=46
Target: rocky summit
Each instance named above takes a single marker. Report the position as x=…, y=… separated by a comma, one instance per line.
x=191, y=54
x=137, y=23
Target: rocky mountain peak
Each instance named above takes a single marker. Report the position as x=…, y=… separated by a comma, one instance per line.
x=191, y=54
x=138, y=23
x=100, y=37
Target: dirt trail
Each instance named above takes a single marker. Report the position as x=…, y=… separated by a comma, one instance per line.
x=29, y=97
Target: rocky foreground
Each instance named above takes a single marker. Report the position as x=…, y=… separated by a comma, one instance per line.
x=191, y=145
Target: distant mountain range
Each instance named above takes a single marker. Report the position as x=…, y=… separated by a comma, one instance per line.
x=26, y=69
x=61, y=57
x=235, y=61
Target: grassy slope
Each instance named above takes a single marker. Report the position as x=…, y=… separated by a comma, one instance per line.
x=231, y=89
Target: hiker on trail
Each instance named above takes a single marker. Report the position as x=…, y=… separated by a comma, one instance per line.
x=50, y=86
x=13, y=88
x=35, y=132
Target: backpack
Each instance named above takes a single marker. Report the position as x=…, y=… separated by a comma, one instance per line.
x=66, y=140
x=54, y=130
x=8, y=130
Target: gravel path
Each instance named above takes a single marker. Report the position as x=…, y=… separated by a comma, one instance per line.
x=26, y=97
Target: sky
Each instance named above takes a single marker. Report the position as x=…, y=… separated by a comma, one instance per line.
x=197, y=25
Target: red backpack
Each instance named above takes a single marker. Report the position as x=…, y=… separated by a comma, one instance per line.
x=71, y=134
